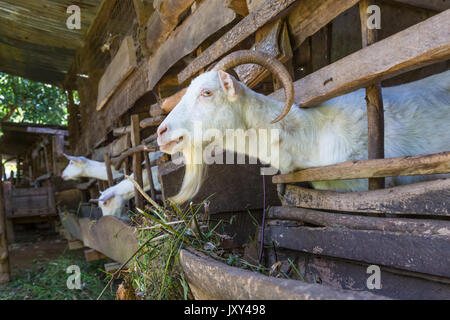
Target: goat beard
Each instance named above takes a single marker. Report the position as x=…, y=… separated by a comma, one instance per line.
x=193, y=178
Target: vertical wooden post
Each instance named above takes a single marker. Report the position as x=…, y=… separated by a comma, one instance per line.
x=148, y=167
x=375, y=112
x=73, y=124
x=108, y=168
x=137, y=159
x=4, y=255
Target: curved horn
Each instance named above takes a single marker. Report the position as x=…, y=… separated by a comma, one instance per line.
x=273, y=65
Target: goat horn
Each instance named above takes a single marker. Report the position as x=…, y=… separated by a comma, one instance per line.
x=273, y=65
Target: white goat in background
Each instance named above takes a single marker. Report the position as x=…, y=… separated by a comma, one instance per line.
x=417, y=119
x=112, y=200
x=81, y=167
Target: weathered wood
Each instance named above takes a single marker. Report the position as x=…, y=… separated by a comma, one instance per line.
x=429, y=254
x=93, y=255
x=169, y=103
x=188, y=36
x=137, y=160
x=329, y=219
x=420, y=45
x=436, y=163
x=152, y=122
x=156, y=110
x=437, y=5
x=140, y=148
x=75, y=245
x=238, y=6
x=148, y=167
x=119, y=69
x=107, y=159
x=375, y=111
x=144, y=9
x=4, y=254
x=121, y=131
x=242, y=30
x=423, y=198
x=352, y=275
x=210, y=279
x=164, y=20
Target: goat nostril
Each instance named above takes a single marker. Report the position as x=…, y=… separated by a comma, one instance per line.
x=161, y=130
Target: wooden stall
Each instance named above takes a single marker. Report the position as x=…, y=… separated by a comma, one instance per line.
x=29, y=194
x=140, y=55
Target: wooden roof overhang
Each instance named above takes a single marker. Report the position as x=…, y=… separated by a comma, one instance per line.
x=35, y=42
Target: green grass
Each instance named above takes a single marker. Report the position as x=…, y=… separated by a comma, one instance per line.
x=48, y=280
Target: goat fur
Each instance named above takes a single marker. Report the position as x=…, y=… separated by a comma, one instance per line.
x=417, y=118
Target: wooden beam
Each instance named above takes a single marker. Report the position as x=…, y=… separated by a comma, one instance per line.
x=417, y=46
x=148, y=167
x=4, y=255
x=123, y=63
x=93, y=255
x=137, y=160
x=210, y=279
x=188, y=36
x=374, y=99
x=238, y=6
x=144, y=9
x=359, y=169
x=246, y=27
x=422, y=253
x=423, y=198
x=164, y=20
x=152, y=122
x=329, y=219
x=436, y=5
x=107, y=158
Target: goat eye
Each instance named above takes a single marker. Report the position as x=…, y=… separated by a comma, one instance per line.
x=206, y=93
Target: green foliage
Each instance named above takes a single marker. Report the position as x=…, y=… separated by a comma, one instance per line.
x=36, y=102
x=48, y=281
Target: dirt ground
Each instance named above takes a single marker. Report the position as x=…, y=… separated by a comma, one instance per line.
x=33, y=246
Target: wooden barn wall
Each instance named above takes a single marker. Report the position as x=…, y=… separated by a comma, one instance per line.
x=338, y=39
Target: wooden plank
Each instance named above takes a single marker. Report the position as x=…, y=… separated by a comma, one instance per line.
x=436, y=163
x=423, y=198
x=246, y=27
x=329, y=219
x=144, y=9
x=75, y=245
x=137, y=160
x=4, y=254
x=308, y=17
x=210, y=279
x=123, y=63
x=437, y=5
x=429, y=254
x=374, y=99
x=352, y=275
x=148, y=167
x=163, y=21
x=238, y=6
x=107, y=158
x=93, y=255
x=152, y=122
x=420, y=45
x=188, y=36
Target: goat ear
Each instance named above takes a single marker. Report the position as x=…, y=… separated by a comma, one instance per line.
x=73, y=158
x=229, y=85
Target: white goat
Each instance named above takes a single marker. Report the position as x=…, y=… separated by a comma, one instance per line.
x=112, y=200
x=417, y=118
x=81, y=167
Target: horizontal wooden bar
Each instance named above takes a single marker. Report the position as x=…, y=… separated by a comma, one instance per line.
x=359, y=169
x=417, y=46
x=330, y=219
x=429, y=254
x=423, y=198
